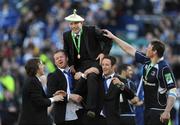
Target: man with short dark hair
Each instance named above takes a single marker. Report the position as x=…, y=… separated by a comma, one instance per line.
x=127, y=113
x=113, y=87
x=159, y=82
x=34, y=100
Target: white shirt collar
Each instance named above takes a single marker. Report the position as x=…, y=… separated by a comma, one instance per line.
x=66, y=69
x=111, y=75
x=38, y=78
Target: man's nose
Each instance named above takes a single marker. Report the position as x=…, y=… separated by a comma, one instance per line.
x=73, y=25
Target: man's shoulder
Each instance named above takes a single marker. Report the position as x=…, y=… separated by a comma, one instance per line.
x=67, y=32
x=52, y=74
x=162, y=64
x=88, y=27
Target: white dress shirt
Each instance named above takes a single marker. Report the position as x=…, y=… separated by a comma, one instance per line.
x=71, y=107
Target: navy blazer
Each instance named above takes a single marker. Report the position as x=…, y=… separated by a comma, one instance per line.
x=57, y=81
x=111, y=102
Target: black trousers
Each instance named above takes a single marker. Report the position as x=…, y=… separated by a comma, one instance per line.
x=127, y=120
x=92, y=91
x=152, y=117
x=90, y=87
x=73, y=122
x=85, y=120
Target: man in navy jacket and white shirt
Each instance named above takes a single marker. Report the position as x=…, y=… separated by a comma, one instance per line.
x=64, y=113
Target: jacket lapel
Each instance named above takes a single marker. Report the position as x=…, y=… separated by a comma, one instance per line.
x=110, y=90
x=85, y=38
x=40, y=85
x=111, y=86
x=70, y=39
x=61, y=77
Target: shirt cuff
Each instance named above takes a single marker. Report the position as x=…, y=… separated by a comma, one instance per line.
x=52, y=100
x=172, y=92
x=84, y=76
x=68, y=97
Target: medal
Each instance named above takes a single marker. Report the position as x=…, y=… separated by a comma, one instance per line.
x=77, y=43
x=78, y=56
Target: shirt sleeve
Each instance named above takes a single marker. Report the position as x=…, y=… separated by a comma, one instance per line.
x=167, y=78
x=141, y=57
x=132, y=86
x=129, y=94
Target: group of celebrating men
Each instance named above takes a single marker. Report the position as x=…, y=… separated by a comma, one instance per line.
x=87, y=89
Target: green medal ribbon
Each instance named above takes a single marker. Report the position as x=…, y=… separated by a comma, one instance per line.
x=77, y=46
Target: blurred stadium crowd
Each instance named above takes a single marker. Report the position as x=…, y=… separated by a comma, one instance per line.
x=31, y=28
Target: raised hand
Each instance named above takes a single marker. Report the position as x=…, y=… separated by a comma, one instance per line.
x=100, y=57
x=108, y=34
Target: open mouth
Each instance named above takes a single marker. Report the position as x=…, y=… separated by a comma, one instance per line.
x=60, y=62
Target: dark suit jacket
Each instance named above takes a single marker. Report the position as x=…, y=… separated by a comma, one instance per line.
x=57, y=81
x=111, y=102
x=126, y=107
x=95, y=43
x=34, y=104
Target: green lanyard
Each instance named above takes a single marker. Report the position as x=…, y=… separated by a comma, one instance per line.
x=148, y=69
x=79, y=41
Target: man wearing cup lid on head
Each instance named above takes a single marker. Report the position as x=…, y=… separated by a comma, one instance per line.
x=86, y=47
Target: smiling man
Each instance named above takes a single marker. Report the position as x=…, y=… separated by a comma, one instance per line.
x=159, y=83
x=113, y=88
x=61, y=82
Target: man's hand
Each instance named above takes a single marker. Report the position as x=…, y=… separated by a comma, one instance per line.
x=91, y=70
x=58, y=97
x=135, y=101
x=115, y=81
x=165, y=116
x=78, y=75
x=75, y=97
x=72, y=69
x=100, y=57
x=118, y=83
x=60, y=92
x=139, y=103
x=108, y=34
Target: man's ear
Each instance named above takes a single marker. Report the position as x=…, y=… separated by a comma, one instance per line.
x=114, y=67
x=155, y=52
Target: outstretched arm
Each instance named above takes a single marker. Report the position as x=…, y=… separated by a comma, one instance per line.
x=125, y=46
